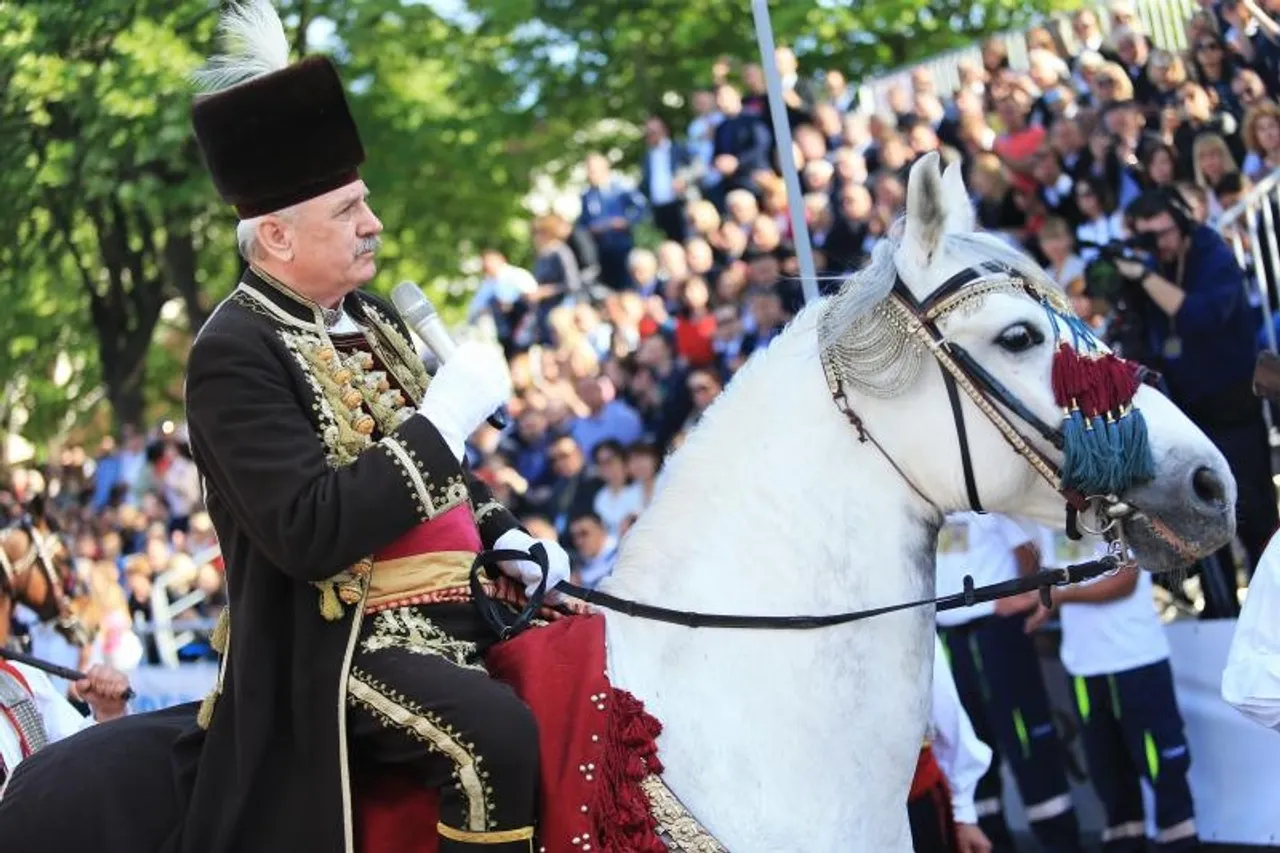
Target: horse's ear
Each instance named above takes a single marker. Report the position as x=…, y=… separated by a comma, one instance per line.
x=926, y=207
x=960, y=215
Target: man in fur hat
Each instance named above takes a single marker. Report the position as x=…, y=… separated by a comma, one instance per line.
x=333, y=467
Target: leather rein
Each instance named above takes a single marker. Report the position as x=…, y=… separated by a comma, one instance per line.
x=960, y=372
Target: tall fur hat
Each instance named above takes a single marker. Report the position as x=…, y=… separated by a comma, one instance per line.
x=273, y=134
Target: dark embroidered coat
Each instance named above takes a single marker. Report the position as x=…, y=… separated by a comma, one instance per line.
x=311, y=464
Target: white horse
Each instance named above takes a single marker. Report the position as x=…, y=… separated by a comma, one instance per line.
x=794, y=740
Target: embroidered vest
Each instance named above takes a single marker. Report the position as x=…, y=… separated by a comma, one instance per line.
x=433, y=560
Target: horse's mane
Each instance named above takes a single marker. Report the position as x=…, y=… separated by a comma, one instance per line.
x=860, y=293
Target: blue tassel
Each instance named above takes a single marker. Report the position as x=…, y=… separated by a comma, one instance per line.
x=1117, y=468
x=1102, y=456
x=1140, y=467
x=1077, y=462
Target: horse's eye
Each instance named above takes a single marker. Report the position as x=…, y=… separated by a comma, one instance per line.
x=1019, y=337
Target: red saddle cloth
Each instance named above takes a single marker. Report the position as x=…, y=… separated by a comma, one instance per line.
x=597, y=745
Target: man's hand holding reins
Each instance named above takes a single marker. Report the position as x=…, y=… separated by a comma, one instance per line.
x=103, y=689
x=529, y=572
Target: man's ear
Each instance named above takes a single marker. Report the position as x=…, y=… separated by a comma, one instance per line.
x=275, y=238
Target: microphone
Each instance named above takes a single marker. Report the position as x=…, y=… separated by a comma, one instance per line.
x=421, y=316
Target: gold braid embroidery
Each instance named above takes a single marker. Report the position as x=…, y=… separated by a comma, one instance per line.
x=403, y=360
x=394, y=709
x=487, y=509
x=337, y=422
x=407, y=629
x=345, y=386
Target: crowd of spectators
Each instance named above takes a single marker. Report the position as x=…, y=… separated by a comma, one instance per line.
x=617, y=347
x=133, y=519
x=619, y=339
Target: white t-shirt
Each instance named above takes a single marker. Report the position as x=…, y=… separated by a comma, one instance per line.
x=60, y=717
x=979, y=545
x=1251, y=680
x=1110, y=636
x=613, y=509
x=962, y=758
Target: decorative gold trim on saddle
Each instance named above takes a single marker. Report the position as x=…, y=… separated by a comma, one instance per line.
x=679, y=829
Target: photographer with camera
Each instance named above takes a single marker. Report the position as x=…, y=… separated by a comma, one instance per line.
x=1184, y=293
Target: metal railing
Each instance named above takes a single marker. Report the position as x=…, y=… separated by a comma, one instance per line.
x=1164, y=22
x=1250, y=227
x=168, y=602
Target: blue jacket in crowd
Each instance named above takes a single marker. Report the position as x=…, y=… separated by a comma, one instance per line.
x=1216, y=324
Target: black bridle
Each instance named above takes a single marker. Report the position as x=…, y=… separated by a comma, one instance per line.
x=960, y=370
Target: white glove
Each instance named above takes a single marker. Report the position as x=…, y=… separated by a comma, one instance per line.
x=527, y=571
x=465, y=390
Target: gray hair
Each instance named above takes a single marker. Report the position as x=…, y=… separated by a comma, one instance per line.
x=247, y=231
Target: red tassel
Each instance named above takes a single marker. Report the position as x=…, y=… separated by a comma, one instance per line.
x=1064, y=375
x=1123, y=382
x=1096, y=385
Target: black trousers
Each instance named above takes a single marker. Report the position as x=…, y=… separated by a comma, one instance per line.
x=998, y=677
x=1132, y=730
x=670, y=220
x=930, y=824
x=614, y=270
x=419, y=697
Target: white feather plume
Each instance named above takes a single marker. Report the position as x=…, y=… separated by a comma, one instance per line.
x=255, y=43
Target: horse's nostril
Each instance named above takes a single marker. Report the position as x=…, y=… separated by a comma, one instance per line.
x=1208, y=488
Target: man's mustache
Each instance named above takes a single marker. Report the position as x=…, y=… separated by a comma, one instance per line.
x=368, y=245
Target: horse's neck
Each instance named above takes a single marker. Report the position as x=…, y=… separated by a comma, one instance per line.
x=773, y=516
x=783, y=518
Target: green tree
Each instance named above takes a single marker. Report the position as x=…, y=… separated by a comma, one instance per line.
x=113, y=214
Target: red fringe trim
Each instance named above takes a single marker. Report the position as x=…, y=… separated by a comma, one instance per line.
x=1094, y=384
x=619, y=807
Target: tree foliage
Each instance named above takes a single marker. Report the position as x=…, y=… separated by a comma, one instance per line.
x=460, y=104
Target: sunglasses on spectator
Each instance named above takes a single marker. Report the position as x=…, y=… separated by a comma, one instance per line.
x=701, y=388
x=1209, y=45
